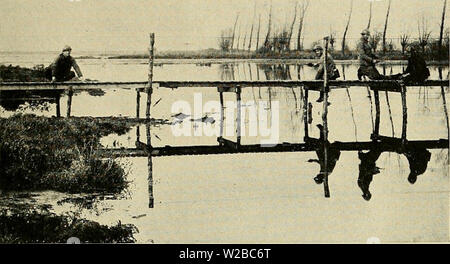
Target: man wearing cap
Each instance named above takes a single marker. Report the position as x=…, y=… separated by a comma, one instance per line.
x=60, y=69
x=332, y=71
x=367, y=59
x=417, y=70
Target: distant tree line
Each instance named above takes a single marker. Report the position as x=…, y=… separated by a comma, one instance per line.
x=279, y=38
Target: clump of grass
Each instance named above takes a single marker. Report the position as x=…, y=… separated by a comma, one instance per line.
x=32, y=225
x=39, y=153
x=19, y=74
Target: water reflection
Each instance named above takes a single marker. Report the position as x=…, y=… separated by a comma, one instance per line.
x=369, y=152
x=328, y=153
x=326, y=164
x=32, y=100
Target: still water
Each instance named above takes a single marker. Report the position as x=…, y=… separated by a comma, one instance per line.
x=266, y=197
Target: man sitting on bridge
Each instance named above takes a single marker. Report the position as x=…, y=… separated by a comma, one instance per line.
x=332, y=71
x=417, y=70
x=60, y=69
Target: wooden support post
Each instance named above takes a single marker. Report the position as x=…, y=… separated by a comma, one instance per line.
x=444, y=104
x=151, y=197
x=305, y=113
x=310, y=109
x=69, y=101
x=149, y=88
x=238, y=117
x=222, y=115
x=405, y=112
x=58, y=105
x=376, y=131
x=138, y=103
x=149, y=91
x=324, y=118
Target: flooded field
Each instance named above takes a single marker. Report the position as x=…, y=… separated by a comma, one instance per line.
x=264, y=197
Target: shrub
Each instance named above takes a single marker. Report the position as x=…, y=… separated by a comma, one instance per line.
x=41, y=226
x=59, y=154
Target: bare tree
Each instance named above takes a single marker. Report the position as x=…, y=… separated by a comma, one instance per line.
x=346, y=27
x=267, y=40
x=385, y=26
x=245, y=38
x=404, y=40
x=370, y=15
x=390, y=46
x=257, y=35
x=234, y=30
x=291, y=30
x=446, y=38
x=442, y=29
x=374, y=40
x=303, y=9
x=238, y=37
x=250, y=38
x=424, y=34
x=251, y=30
x=225, y=40
x=332, y=38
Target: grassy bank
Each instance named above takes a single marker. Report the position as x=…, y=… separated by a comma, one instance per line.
x=39, y=153
x=29, y=225
x=242, y=54
x=18, y=74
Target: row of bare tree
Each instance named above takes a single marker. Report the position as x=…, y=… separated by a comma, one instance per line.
x=279, y=39
x=276, y=39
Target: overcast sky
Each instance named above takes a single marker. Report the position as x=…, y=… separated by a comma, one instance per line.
x=112, y=25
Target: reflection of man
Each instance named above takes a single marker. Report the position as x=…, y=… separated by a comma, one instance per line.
x=418, y=159
x=332, y=156
x=332, y=71
x=60, y=69
x=367, y=168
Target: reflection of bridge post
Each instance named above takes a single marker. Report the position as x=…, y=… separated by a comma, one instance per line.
x=238, y=117
x=376, y=131
x=444, y=102
x=222, y=116
x=138, y=103
x=58, y=105
x=305, y=112
x=150, y=167
x=324, y=118
x=405, y=113
x=69, y=101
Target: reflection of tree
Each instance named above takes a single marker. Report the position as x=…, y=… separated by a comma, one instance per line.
x=276, y=71
x=226, y=72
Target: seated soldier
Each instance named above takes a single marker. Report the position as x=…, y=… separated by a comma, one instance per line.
x=332, y=71
x=60, y=69
x=417, y=70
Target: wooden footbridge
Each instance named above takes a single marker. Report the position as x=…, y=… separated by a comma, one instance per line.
x=226, y=146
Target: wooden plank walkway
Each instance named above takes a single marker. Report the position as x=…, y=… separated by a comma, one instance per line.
x=387, y=145
x=140, y=85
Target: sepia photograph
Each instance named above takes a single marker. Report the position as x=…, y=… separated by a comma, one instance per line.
x=224, y=122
